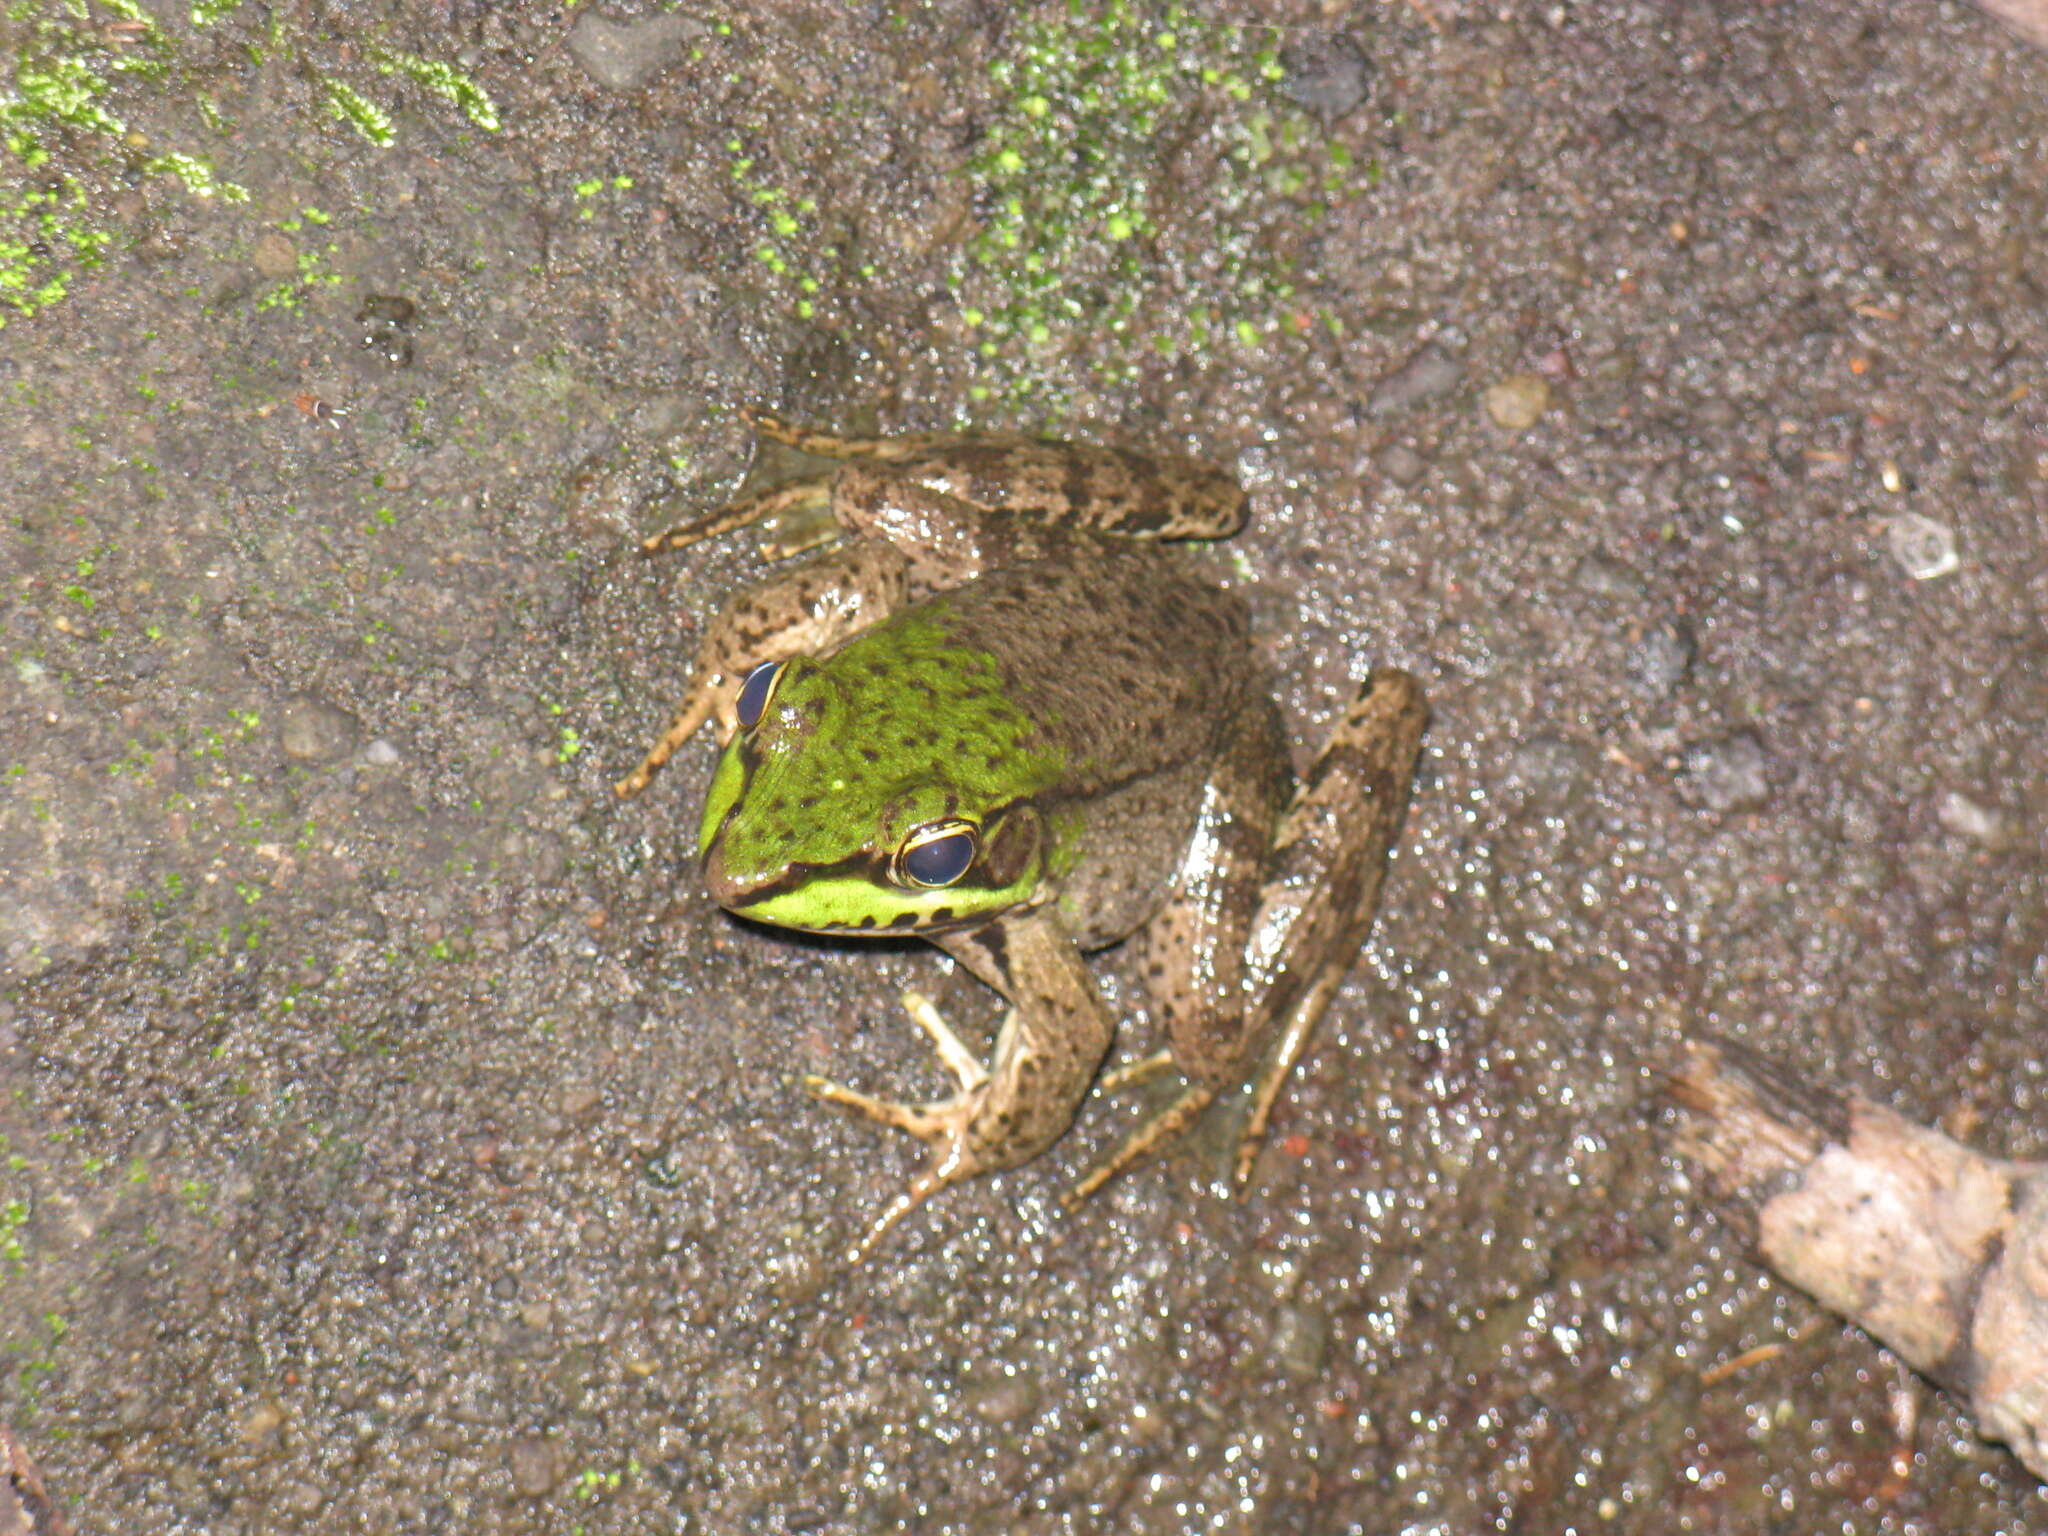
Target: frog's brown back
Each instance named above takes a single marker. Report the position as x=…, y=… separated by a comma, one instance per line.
x=1124, y=657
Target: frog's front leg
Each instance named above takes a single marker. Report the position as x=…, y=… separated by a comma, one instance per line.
x=1052, y=1040
x=809, y=607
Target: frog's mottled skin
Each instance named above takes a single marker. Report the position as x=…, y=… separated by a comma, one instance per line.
x=997, y=646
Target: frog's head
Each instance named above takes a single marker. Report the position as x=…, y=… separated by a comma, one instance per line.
x=888, y=787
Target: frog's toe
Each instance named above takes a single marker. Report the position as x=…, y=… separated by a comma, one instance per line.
x=1144, y=1141
x=922, y=1188
x=941, y=1125
x=699, y=705
x=929, y=1123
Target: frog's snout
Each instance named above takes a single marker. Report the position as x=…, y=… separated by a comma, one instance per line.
x=724, y=889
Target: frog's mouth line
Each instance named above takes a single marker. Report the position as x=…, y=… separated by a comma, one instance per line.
x=863, y=874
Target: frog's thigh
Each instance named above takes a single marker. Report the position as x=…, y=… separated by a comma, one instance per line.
x=804, y=609
x=1331, y=851
x=1194, y=948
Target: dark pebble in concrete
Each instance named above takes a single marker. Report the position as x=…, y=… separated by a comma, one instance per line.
x=1328, y=73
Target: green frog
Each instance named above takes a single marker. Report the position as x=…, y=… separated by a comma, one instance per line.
x=1000, y=713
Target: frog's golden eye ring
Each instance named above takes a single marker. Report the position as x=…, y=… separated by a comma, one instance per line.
x=755, y=693
x=938, y=854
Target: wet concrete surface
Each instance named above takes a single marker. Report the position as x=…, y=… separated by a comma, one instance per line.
x=396, y=1139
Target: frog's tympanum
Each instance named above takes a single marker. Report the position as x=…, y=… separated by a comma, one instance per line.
x=996, y=712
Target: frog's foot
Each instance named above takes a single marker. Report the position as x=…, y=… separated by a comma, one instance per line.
x=830, y=445
x=940, y=1124
x=1147, y=1138
x=782, y=505
x=1279, y=1066
x=698, y=706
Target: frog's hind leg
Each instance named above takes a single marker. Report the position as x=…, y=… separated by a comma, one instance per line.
x=1195, y=947
x=1331, y=859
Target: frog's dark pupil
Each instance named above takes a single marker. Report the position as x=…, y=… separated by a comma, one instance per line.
x=941, y=860
x=754, y=692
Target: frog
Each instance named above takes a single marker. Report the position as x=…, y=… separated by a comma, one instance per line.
x=991, y=705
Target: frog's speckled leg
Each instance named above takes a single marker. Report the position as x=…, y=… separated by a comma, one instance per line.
x=1052, y=1040
x=779, y=502
x=806, y=607
x=1331, y=859
x=1195, y=948
x=830, y=445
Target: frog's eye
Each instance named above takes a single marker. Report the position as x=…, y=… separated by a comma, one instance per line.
x=755, y=692
x=938, y=854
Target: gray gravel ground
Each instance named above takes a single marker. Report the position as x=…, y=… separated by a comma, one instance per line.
x=397, y=1140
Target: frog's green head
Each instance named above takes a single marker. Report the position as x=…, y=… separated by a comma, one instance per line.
x=887, y=787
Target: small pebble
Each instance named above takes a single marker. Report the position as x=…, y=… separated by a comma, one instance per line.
x=1729, y=773
x=1430, y=372
x=622, y=55
x=262, y=1422
x=381, y=753
x=1002, y=1394
x=578, y=1102
x=1301, y=1338
x=1605, y=576
x=314, y=731
x=1327, y=72
x=1402, y=464
x=536, y=1465
x=1662, y=658
x=1924, y=548
x=386, y=309
x=1518, y=401
x=275, y=256
x=1966, y=818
